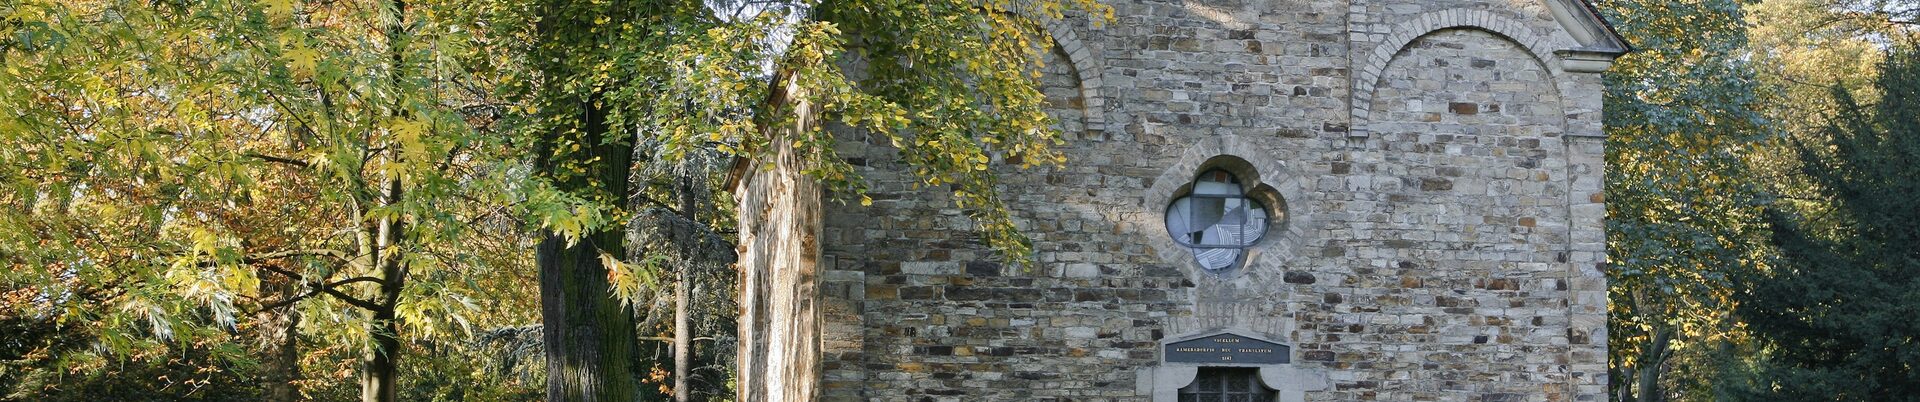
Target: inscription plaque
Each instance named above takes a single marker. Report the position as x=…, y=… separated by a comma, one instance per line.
x=1227, y=349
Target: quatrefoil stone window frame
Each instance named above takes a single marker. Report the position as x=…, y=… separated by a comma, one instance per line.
x=1263, y=178
x=1218, y=218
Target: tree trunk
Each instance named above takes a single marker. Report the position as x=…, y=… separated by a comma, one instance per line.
x=380, y=368
x=682, y=338
x=285, y=371
x=281, y=333
x=1650, y=362
x=780, y=226
x=590, y=339
x=682, y=320
x=589, y=336
x=380, y=371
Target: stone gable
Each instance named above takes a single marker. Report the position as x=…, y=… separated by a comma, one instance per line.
x=1438, y=164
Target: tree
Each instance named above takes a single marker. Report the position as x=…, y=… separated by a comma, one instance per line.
x=321, y=166
x=682, y=283
x=208, y=165
x=1837, y=310
x=1682, y=214
x=1802, y=49
x=603, y=68
x=949, y=83
x=589, y=336
x=687, y=76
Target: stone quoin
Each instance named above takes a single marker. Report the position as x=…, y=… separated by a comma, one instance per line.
x=1429, y=227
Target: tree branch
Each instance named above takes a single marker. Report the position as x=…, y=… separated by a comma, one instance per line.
x=276, y=159
x=327, y=288
x=318, y=252
x=356, y=302
x=355, y=280
x=284, y=303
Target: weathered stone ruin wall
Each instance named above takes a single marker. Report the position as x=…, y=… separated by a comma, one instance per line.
x=1442, y=239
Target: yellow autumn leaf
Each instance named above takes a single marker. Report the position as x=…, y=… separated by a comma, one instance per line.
x=277, y=10
x=303, y=61
x=409, y=132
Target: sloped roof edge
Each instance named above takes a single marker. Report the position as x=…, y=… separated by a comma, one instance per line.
x=1584, y=22
x=1612, y=33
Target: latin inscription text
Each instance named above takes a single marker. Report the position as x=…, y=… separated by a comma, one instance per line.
x=1227, y=348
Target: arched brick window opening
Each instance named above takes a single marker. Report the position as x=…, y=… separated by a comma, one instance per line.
x=1227, y=384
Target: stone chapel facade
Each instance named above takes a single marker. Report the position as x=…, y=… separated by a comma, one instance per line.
x=1286, y=200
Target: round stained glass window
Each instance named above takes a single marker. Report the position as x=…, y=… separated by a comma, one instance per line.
x=1216, y=220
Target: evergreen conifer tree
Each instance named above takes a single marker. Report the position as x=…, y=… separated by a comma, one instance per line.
x=1839, y=309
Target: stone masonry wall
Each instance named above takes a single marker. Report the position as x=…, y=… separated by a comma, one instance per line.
x=1446, y=246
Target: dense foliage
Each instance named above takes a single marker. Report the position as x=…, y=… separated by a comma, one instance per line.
x=285, y=187
x=1702, y=119
x=288, y=199
x=1683, y=215
x=265, y=199
x=1837, y=312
